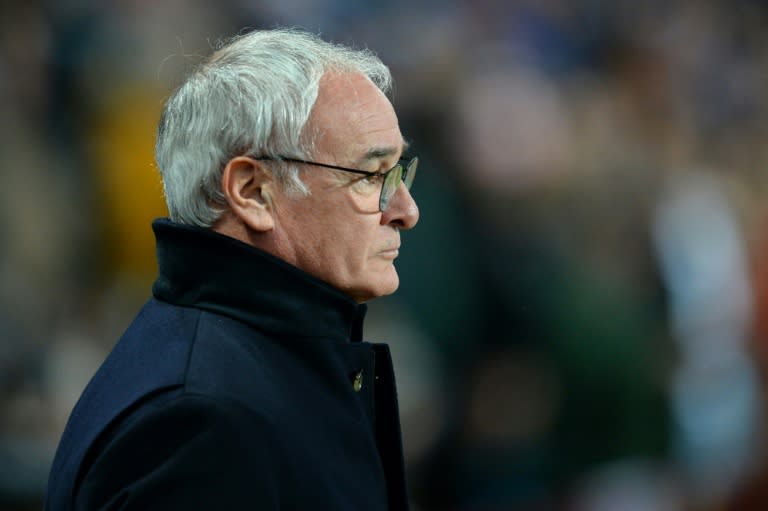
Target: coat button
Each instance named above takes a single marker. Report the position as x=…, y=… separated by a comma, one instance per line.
x=357, y=381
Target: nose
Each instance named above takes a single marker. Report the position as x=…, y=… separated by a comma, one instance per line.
x=402, y=210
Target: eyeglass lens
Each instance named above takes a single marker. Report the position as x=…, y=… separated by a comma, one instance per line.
x=393, y=180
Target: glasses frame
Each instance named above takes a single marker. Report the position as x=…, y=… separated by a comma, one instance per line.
x=405, y=175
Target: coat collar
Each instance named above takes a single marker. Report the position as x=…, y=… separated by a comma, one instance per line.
x=207, y=270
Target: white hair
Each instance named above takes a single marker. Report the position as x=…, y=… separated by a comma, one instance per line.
x=253, y=96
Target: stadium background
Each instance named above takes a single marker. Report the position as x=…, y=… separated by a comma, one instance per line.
x=583, y=315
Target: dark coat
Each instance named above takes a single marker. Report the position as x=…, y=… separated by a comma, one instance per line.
x=242, y=384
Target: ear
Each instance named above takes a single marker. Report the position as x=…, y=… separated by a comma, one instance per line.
x=248, y=186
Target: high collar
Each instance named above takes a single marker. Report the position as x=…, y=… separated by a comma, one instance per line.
x=207, y=270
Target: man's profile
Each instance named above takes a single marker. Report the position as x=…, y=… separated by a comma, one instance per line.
x=244, y=382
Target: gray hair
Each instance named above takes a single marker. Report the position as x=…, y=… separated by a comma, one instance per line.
x=254, y=95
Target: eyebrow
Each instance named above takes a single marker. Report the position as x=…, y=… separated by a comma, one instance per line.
x=382, y=152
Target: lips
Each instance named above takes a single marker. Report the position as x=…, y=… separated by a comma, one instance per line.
x=390, y=253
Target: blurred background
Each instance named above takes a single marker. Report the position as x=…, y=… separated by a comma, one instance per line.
x=583, y=315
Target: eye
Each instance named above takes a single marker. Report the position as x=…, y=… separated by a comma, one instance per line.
x=373, y=179
x=368, y=185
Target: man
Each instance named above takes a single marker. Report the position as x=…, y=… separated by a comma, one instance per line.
x=244, y=383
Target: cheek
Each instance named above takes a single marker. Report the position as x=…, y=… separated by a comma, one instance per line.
x=339, y=238
x=338, y=250
x=356, y=252
x=349, y=252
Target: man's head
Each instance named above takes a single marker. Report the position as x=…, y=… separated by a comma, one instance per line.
x=276, y=95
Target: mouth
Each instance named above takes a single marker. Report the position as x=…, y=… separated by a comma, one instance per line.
x=391, y=253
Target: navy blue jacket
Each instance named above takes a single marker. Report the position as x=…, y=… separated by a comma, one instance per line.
x=242, y=384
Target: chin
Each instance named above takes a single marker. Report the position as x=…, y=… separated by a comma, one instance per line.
x=376, y=291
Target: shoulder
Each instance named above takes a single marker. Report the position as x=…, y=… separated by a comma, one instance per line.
x=202, y=351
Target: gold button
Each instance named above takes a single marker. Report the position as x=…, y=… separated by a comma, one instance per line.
x=357, y=383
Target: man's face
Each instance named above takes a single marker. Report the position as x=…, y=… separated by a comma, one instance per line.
x=338, y=233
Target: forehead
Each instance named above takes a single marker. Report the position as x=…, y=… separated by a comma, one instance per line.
x=351, y=116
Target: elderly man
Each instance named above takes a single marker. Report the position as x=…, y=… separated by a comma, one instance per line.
x=244, y=383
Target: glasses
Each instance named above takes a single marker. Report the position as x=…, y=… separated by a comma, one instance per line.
x=403, y=172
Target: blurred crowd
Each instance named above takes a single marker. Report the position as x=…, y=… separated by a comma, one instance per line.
x=582, y=323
